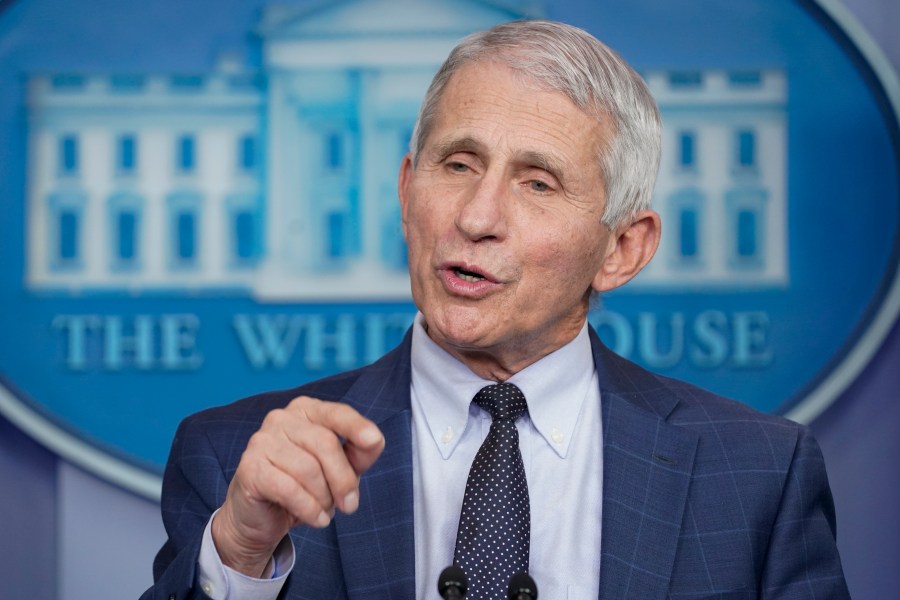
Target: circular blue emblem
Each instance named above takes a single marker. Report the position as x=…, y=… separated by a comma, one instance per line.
x=200, y=203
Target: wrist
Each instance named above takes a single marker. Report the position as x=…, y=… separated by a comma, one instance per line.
x=238, y=553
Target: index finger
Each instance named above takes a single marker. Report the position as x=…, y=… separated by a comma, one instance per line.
x=363, y=440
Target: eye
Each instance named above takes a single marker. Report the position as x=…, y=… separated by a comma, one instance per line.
x=539, y=186
x=458, y=167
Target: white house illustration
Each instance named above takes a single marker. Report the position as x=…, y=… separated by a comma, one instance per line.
x=722, y=187
x=281, y=182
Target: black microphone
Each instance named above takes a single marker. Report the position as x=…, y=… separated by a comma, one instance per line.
x=452, y=583
x=522, y=587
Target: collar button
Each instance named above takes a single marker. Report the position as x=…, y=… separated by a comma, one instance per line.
x=557, y=436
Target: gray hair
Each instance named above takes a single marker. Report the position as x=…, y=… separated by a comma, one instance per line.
x=566, y=59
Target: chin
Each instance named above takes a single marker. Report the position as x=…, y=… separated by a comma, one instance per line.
x=459, y=327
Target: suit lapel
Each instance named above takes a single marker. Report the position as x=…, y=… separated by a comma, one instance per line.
x=376, y=543
x=647, y=465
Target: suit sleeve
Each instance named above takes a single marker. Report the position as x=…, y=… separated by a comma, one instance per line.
x=193, y=487
x=802, y=559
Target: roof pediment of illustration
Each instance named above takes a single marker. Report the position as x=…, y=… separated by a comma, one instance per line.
x=379, y=18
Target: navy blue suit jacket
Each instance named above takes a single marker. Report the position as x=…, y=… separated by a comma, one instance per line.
x=703, y=497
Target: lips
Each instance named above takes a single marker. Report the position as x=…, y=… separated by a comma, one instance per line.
x=468, y=280
x=469, y=273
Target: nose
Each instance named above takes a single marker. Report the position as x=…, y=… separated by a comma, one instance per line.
x=483, y=211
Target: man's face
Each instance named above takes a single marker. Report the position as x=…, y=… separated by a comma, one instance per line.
x=502, y=216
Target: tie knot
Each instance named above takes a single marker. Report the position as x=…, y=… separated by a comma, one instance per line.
x=504, y=401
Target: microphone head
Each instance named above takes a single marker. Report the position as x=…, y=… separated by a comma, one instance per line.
x=453, y=577
x=522, y=586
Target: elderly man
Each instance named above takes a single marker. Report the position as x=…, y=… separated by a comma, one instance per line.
x=501, y=435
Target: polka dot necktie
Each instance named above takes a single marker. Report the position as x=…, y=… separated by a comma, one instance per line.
x=492, y=542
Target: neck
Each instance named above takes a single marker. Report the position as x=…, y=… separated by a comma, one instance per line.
x=501, y=362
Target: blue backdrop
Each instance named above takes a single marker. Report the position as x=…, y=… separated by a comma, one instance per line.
x=841, y=217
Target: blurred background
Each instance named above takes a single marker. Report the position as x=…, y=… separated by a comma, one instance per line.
x=198, y=202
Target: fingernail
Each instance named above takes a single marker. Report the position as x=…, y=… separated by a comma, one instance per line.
x=323, y=519
x=351, y=502
x=370, y=436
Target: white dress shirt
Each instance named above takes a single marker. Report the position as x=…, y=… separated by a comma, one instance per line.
x=562, y=450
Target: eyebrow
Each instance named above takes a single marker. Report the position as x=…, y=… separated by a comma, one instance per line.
x=468, y=144
x=535, y=158
x=463, y=144
x=543, y=161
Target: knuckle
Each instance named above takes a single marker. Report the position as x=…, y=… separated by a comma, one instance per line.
x=306, y=507
x=301, y=403
x=308, y=468
x=255, y=446
x=325, y=442
x=274, y=417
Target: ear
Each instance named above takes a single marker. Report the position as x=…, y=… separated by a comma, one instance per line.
x=404, y=180
x=631, y=247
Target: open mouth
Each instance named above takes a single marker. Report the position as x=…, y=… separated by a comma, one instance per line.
x=469, y=276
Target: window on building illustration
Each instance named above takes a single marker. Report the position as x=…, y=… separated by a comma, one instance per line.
x=334, y=151
x=746, y=234
x=688, y=233
x=745, y=79
x=126, y=234
x=244, y=82
x=747, y=209
x=186, y=83
x=124, y=210
x=247, y=148
x=185, y=154
x=244, y=229
x=66, y=225
x=184, y=229
x=336, y=228
x=68, y=154
x=66, y=82
x=686, y=149
x=126, y=156
x=69, y=226
x=746, y=148
x=185, y=236
x=127, y=83
x=245, y=235
x=685, y=247
x=685, y=79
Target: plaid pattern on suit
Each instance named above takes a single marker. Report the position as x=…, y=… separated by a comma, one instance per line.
x=703, y=497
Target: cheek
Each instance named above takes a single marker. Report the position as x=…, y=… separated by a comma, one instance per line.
x=570, y=260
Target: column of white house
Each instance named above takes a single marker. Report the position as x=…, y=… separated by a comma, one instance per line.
x=717, y=155
x=297, y=80
x=773, y=137
x=319, y=54
x=215, y=179
x=389, y=106
x=42, y=144
x=394, y=100
x=274, y=224
x=372, y=167
x=156, y=182
x=46, y=178
x=233, y=112
x=285, y=170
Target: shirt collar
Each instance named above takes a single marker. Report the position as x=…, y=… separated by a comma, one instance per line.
x=555, y=388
